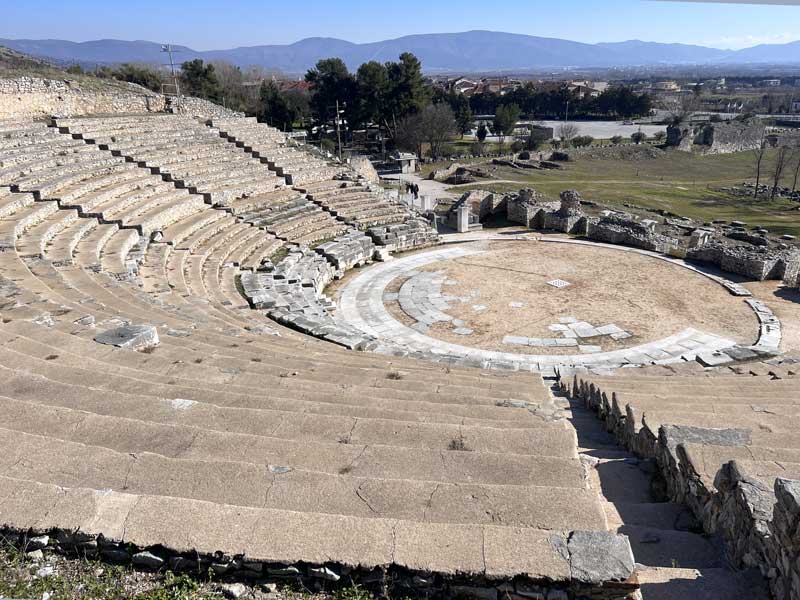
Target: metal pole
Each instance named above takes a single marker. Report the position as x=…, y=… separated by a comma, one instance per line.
x=168, y=49
x=338, y=132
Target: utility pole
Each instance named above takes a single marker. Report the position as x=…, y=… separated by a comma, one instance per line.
x=168, y=49
x=338, y=131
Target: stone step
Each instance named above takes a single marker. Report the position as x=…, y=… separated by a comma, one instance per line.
x=655, y=515
x=176, y=440
x=289, y=537
x=53, y=461
x=665, y=583
x=75, y=359
x=673, y=549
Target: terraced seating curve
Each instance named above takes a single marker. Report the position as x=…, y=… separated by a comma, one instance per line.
x=273, y=148
x=336, y=459
x=180, y=149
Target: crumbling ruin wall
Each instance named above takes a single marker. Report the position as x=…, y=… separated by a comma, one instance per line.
x=625, y=229
x=680, y=137
x=569, y=218
x=716, y=138
x=197, y=107
x=527, y=208
x=362, y=165
x=733, y=136
x=36, y=97
x=791, y=275
x=754, y=262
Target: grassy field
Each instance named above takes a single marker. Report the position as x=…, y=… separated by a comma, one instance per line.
x=682, y=183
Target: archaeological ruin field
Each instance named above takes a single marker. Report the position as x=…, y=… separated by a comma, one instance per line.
x=230, y=357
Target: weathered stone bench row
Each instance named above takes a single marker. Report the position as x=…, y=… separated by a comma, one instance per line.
x=378, y=554
x=413, y=233
x=708, y=469
x=349, y=250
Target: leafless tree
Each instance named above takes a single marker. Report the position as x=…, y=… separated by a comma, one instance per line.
x=682, y=109
x=567, y=132
x=438, y=126
x=758, y=158
x=796, y=157
x=782, y=159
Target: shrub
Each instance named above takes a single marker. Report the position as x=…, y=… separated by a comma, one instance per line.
x=559, y=156
x=328, y=145
x=517, y=146
x=582, y=140
x=616, y=140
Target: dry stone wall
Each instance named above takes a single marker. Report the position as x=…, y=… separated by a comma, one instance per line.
x=39, y=97
x=34, y=96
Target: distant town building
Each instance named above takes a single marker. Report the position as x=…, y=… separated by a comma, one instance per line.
x=770, y=83
x=666, y=86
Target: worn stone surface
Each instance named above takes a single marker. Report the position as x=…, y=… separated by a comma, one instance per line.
x=596, y=556
x=132, y=337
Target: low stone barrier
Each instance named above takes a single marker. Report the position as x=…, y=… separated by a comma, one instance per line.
x=761, y=526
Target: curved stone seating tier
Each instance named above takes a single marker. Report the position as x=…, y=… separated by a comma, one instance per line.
x=181, y=150
x=725, y=446
x=325, y=457
x=349, y=250
x=413, y=233
x=271, y=147
x=359, y=206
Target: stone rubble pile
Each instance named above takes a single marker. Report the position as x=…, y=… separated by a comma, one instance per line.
x=413, y=233
x=353, y=249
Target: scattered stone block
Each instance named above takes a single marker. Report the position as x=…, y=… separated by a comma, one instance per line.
x=131, y=337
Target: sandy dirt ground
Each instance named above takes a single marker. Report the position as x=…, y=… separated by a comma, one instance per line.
x=647, y=297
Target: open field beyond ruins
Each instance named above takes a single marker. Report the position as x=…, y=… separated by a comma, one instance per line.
x=678, y=182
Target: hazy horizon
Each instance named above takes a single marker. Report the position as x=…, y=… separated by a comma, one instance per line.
x=205, y=25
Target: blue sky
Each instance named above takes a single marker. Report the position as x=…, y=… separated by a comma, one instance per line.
x=205, y=24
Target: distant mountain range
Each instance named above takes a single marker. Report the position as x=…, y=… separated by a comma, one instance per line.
x=472, y=51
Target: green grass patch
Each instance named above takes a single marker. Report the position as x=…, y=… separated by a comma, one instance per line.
x=680, y=182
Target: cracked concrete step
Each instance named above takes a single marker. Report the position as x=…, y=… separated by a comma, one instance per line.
x=534, y=440
x=98, y=237
x=57, y=462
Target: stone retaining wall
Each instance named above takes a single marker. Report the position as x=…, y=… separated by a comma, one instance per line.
x=37, y=97
x=34, y=97
x=753, y=262
x=761, y=526
x=589, y=557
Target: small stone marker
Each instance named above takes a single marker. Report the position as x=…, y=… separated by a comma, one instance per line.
x=131, y=337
